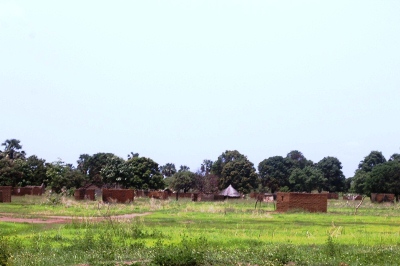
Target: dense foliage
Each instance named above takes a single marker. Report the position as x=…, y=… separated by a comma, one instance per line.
x=294, y=172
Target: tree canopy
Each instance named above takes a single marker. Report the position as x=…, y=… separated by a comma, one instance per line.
x=331, y=169
x=235, y=169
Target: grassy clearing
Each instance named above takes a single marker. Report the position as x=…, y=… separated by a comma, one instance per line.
x=204, y=233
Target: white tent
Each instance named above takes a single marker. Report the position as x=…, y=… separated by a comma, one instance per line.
x=230, y=192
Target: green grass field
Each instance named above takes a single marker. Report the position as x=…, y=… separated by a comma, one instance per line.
x=199, y=233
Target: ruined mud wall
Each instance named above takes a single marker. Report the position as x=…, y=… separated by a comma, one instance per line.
x=118, y=195
x=333, y=195
x=5, y=194
x=28, y=190
x=85, y=194
x=379, y=197
x=305, y=201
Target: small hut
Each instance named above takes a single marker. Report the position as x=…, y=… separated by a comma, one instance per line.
x=230, y=192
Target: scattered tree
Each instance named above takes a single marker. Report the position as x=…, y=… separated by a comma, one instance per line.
x=331, y=169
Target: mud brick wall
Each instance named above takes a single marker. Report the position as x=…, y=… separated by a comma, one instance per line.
x=118, y=195
x=79, y=194
x=333, y=196
x=5, y=194
x=38, y=191
x=219, y=197
x=158, y=195
x=139, y=193
x=28, y=190
x=85, y=194
x=305, y=201
x=205, y=197
x=379, y=197
x=22, y=191
x=90, y=194
x=185, y=195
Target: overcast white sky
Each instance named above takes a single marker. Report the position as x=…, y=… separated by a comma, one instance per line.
x=183, y=81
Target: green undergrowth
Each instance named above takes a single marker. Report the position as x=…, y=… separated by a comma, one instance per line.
x=206, y=233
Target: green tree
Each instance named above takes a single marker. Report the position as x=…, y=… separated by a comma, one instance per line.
x=395, y=157
x=60, y=175
x=92, y=166
x=274, y=172
x=298, y=160
x=331, y=169
x=12, y=149
x=114, y=172
x=371, y=160
x=206, y=167
x=358, y=182
x=184, y=168
x=168, y=169
x=142, y=173
x=384, y=178
x=224, y=158
x=307, y=179
x=12, y=172
x=233, y=168
x=132, y=155
x=183, y=181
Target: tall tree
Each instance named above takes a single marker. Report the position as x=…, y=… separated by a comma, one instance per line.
x=206, y=166
x=331, y=169
x=183, y=180
x=143, y=173
x=224, y=158
x=274, y=172
x=233, y=168
x=12, y=172
x=168, y=169
x=384, y=178
x=114, y=172
x=132, y=155
x=35, y=171
x=395, y=157
x=61, y=175
x=12, y=149
x=92, y=166
x=371, y=160
x=184, y=168
x=298, y=160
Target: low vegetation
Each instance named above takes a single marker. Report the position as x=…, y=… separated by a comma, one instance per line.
x=199, y=233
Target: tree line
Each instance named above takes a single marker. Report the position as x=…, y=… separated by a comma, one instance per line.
x=294, y=172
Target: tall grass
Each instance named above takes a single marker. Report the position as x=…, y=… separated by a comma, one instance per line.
x=205, y=233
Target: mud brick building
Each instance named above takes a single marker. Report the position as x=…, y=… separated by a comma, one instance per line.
x=379, y=197
x=29, y=190
x=118, y=195
x=5, y=193
x=302, y=201
x=85, y=194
